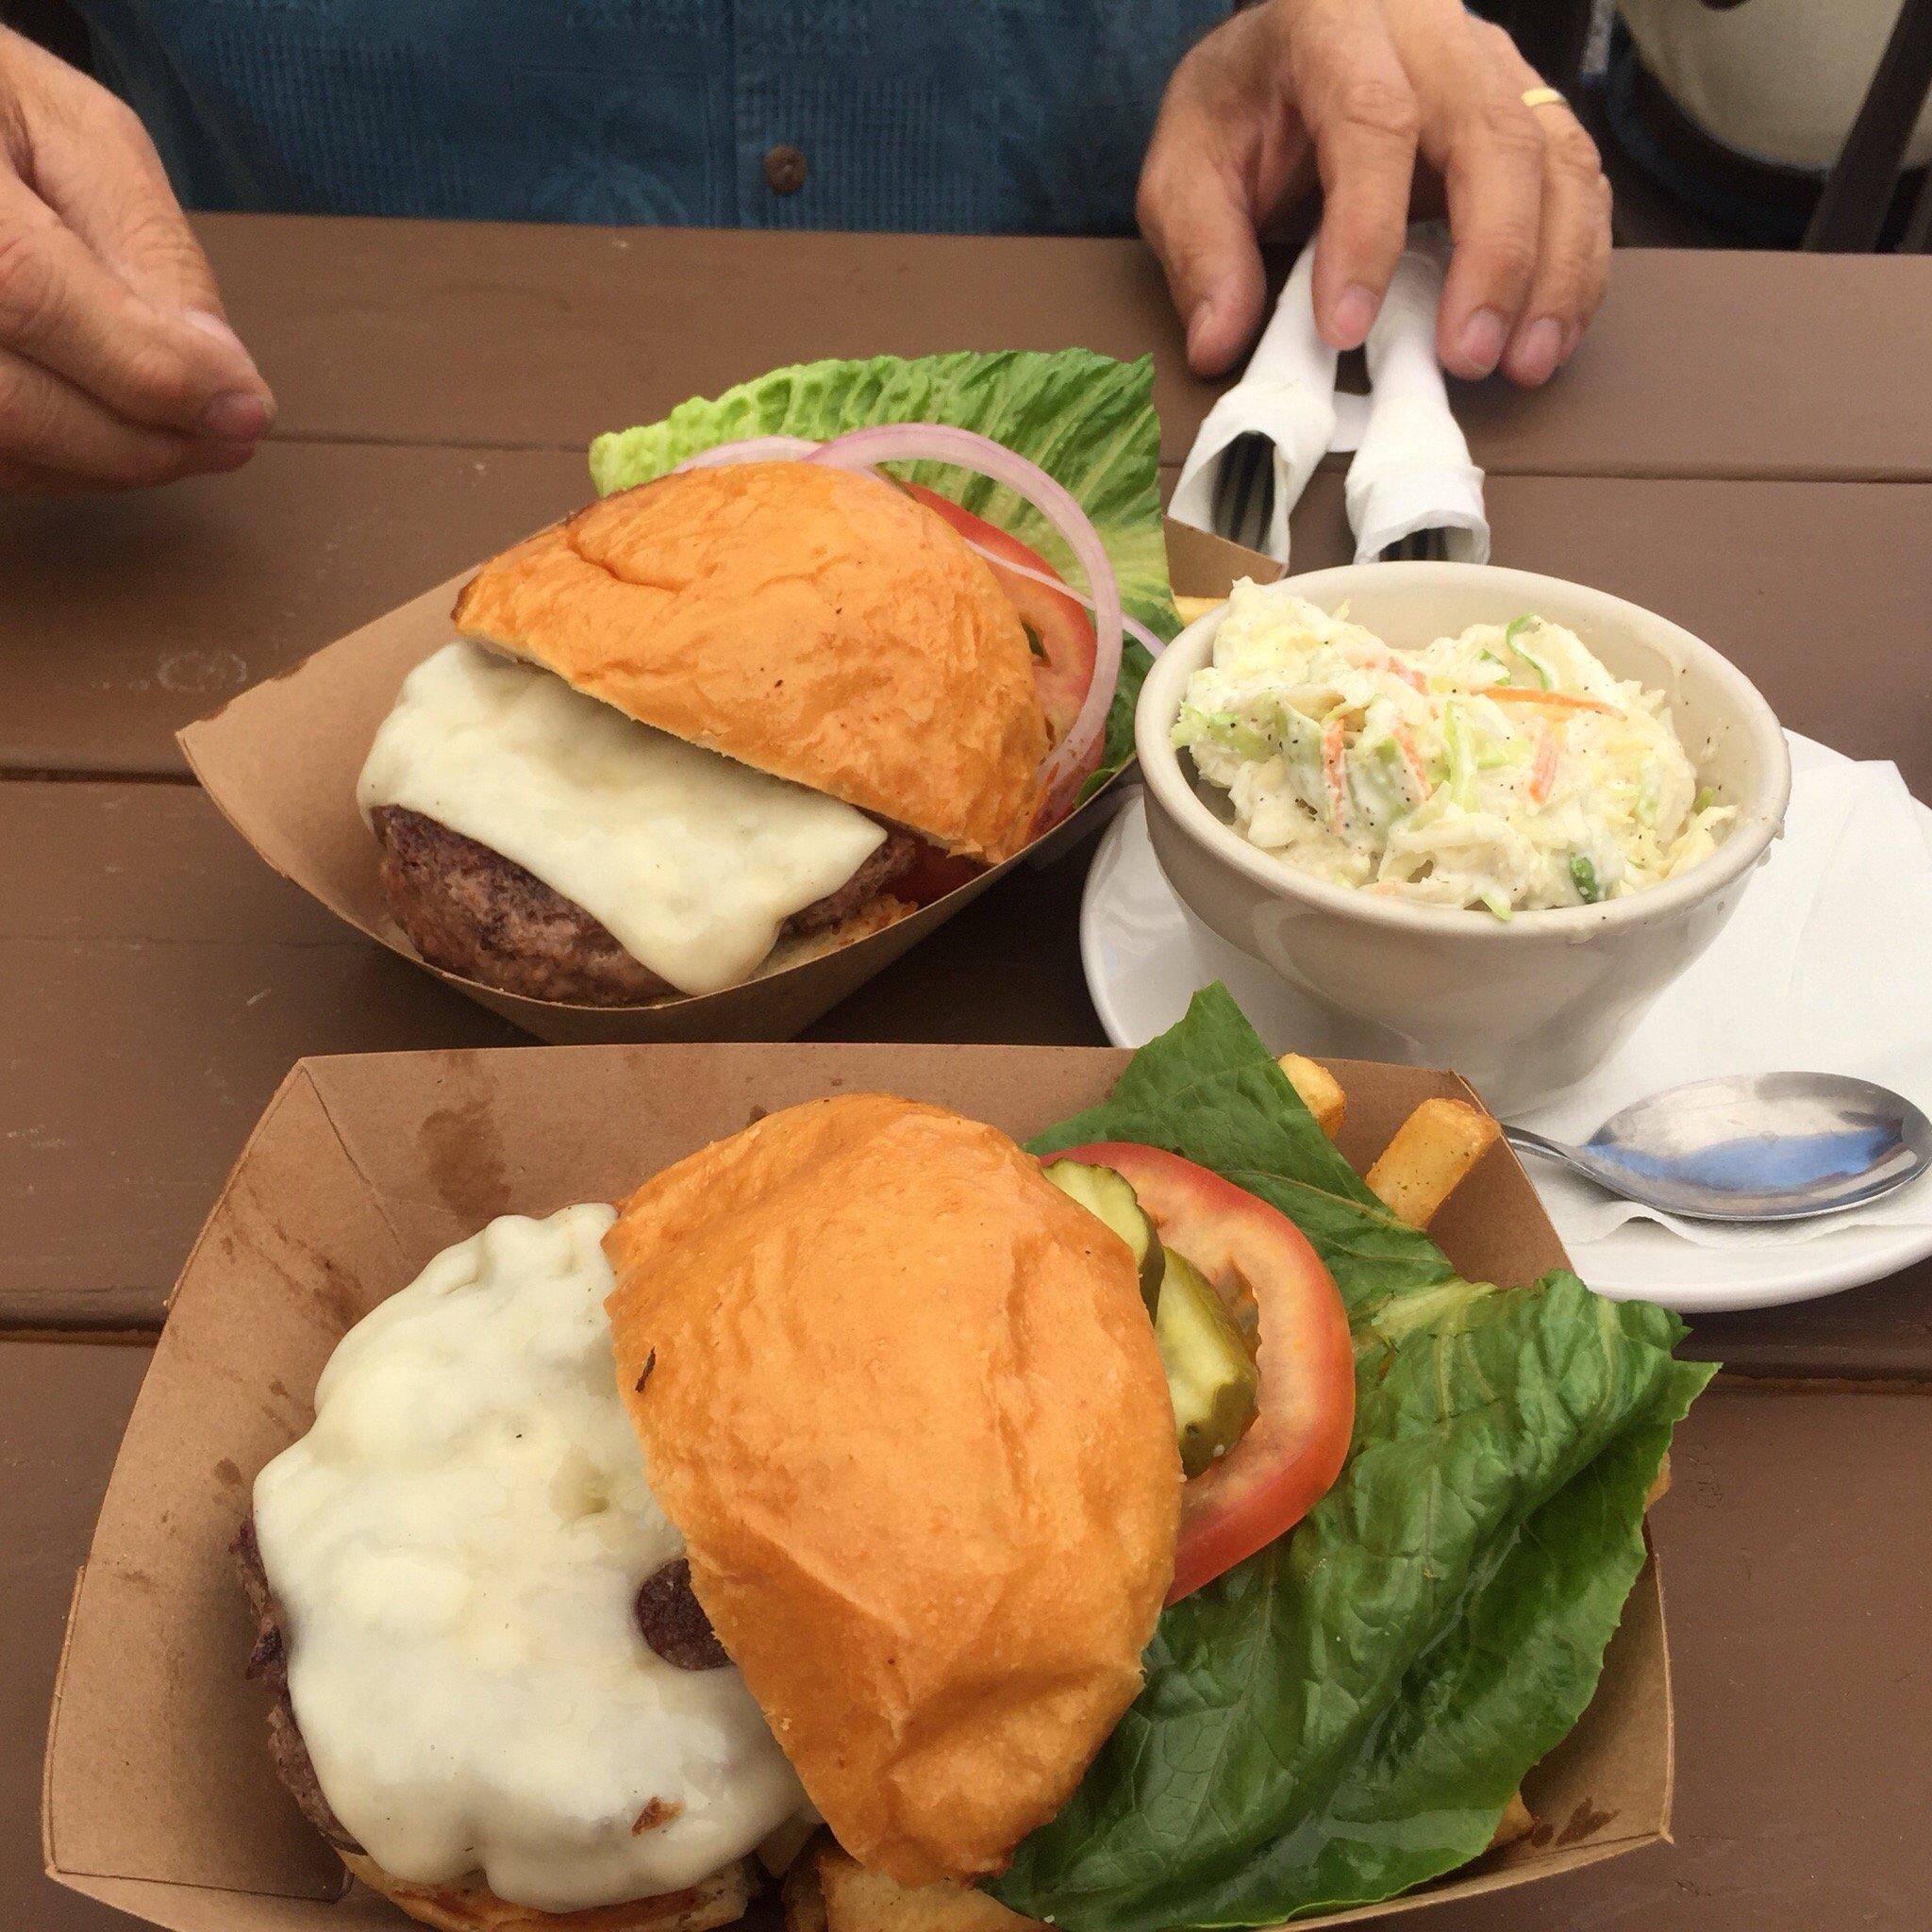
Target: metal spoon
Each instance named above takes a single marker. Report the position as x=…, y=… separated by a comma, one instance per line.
x=1755, y=1147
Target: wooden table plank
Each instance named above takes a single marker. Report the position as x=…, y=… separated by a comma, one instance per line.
x=126, y=617
x=160, y=981
x=62, y=1408
x=1795, y=1585
x=1745, y=365
x=506, y=333
x=1794, y=1589
x=233, y=579
x=1706, y=362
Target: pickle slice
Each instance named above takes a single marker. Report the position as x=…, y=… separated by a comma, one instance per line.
x=1210, y=1375
x=1111, y=1196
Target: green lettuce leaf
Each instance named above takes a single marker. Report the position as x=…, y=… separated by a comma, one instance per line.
x=1211, y=1090
x=1346, y=1714
x=1086, y=419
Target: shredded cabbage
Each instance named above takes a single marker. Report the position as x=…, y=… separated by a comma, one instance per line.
x=1506, y=769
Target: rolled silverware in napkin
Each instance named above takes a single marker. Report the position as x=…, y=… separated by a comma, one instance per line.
x=1285, y=394
x=1411, y=470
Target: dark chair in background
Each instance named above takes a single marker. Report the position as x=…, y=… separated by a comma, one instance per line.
x=1858, y=208
x=53, y=24
x=1851, y=212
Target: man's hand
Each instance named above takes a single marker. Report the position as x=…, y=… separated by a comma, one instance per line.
x=116, y=365
x=1354, y=92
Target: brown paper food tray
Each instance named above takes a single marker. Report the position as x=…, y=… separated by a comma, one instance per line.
x=159, y=1798
x=281, y=763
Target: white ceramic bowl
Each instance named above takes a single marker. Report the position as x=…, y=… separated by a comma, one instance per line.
x=1521, y=1008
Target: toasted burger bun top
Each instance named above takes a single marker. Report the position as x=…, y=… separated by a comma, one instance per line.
x=902, y=1398
x=817, y=623
x=720, y=1900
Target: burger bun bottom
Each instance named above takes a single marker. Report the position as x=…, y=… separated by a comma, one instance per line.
x=718, y=1900
x=827, y=1892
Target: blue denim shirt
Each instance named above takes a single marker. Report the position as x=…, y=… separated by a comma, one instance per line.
x=971, y=115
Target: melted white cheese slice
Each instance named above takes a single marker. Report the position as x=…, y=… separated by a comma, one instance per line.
x=692, y=861
x=456, y=1547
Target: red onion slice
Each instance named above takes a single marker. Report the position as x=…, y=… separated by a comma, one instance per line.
x=913, y=443
x=755, y=449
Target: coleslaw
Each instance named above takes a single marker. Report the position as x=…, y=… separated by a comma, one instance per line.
x=1506, y=768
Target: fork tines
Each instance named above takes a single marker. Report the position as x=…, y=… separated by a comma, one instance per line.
x=1420, y=546
x=1244, y=490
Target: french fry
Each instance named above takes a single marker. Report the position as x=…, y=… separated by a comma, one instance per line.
x=828, y=1892
x=1431, y=1152
x=856, y=1900
x=804, y=1897
x=1193, y=608
x=1320, y=1091
x=780, y=1850
x=1517, y=1820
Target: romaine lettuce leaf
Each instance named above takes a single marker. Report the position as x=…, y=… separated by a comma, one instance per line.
x=1210, y=1091
x=1348, y=1713
x=1086, y=419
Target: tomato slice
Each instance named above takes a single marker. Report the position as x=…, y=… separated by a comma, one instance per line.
x=933, y=873
x=1063, y=666
x=1062, y=634
x=1257, y=1257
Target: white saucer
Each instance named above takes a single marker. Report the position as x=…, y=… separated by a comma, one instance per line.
x=1144, y=957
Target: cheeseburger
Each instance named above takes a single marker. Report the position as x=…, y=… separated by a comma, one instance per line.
x=711, y=726
x=976, y=1537
x=835, y=1478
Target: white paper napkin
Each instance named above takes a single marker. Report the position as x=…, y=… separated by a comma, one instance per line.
x=1286, y=393
x=1411, y=471
x=1825, y=967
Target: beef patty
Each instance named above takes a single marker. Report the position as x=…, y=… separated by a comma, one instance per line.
x=673, y=1621
x=670, y=1618
x=469, y=909
x=269, y=1662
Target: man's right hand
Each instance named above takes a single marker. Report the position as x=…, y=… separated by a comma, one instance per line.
x=117, y=367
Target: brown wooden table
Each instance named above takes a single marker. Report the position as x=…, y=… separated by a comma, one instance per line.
x=1744, y=442
x=1736, y=445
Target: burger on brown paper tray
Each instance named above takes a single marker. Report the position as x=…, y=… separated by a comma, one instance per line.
x=1141, y=1529
x=775, y=693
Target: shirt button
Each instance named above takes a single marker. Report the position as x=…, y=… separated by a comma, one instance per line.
x=785, y=169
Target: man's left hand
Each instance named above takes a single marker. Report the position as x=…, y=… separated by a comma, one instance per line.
x=1358, y=93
